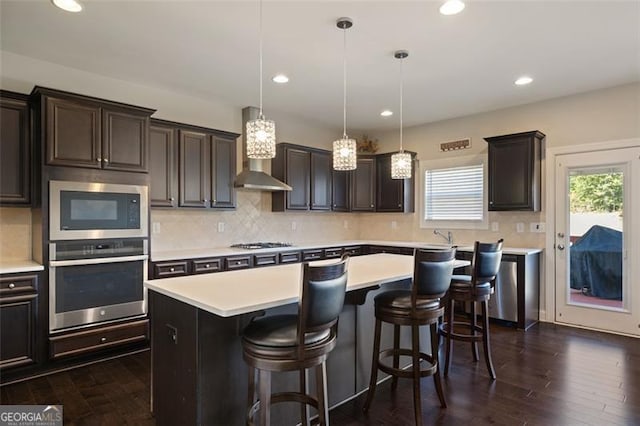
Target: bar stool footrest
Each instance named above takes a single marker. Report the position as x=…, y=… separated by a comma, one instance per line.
x=460, y=336
x=405, y=374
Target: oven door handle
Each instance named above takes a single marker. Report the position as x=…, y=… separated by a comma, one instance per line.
x=76, y=262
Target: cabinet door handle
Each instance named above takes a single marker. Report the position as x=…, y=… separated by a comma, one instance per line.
x=371, y=205
x=215, y=201
x=12, y=285
x=172, y=199
x=206, y=266
x=172, y=269
x=103, y=339
x=98, y=159
x=106, y=160
x=399, y=205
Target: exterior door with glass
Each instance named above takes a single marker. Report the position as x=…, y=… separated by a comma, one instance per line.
x=597, y=240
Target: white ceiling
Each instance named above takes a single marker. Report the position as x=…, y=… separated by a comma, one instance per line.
x=457, y=65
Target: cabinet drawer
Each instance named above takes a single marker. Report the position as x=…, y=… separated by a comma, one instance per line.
x=204, y=266
x=265, y=259
x=170, y=269
x=97, y=339
x=290, y=257
x=311, y=255
x=333, y=252
x=237, y=262
x=353, y=251
x=18, y=284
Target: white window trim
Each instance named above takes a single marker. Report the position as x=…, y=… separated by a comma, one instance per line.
x=467, y=160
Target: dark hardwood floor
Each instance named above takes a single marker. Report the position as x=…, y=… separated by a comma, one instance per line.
x=550, y=375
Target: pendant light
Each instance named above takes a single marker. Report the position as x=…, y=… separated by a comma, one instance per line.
x=344, y=150
x=401, y=161
x=261, y=133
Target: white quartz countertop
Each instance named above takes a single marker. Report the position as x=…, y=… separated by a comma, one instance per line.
x=17, y=266
x=238, y=292
x=161, y=256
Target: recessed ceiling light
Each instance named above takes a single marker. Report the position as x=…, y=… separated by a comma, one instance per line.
x=280, y=78
x=68, y=5
x=452, y=7
x=523, y=81
x=386, y=113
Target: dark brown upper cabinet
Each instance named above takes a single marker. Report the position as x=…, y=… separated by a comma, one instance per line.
x=340, y=190
x=80, y=131
x=163, y=165
x=321, y=167
x=363, y=185
x=514, y=171
x=394, y=195
x=15, y=149
x=207, y=168
x=223, y=161
x=308, y=172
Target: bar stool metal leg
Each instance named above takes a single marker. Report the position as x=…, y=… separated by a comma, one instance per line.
x=265, y=397
x=321, y=390
x=473, y=325
x=374, y=366
x=435, y=345
x=304, y=389
x=415, y=355
x=448, y=340
x=485, y=339
x=396, y=355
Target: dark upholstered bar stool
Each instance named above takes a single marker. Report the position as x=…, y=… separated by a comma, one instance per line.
x=297, y=342
x=415, y=307
x=473, y=288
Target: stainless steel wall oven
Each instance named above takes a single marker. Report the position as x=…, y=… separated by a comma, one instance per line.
x=93, y=281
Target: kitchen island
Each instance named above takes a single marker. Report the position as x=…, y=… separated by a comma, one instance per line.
x=198, y=374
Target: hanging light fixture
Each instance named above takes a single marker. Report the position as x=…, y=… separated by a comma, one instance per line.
x=344, y=150
x=401, y=161
x=261, y=133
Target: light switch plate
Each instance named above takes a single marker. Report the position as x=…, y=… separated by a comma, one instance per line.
x=220, y=226
x=294, y=226
x=394, y=224
x=519, y=227
x=495, y=226
x=155, y=227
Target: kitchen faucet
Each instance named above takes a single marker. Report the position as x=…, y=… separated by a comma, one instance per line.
x=448, y=237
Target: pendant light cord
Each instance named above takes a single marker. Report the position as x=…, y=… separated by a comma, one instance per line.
x=344, y=83
x=260, y=49
x=401, y=92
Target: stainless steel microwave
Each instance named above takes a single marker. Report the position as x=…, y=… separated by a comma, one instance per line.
x=90, y=210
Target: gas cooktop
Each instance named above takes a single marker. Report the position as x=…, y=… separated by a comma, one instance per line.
x=260, y=245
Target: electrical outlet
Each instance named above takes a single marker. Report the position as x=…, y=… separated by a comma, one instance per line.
x=155, y=227
x=345, y=224
x=220, y=226
x=394, y=224
x=519, y=227
x=294, y=226
x=537, y=227
x=495, y=226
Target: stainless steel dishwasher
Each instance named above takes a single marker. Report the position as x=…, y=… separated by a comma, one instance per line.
x=504, y=302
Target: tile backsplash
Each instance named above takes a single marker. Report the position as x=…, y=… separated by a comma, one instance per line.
x=176, y=229
x=251, y=221
x=15, y=233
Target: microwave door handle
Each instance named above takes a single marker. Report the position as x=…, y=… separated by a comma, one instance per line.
x=76, y=262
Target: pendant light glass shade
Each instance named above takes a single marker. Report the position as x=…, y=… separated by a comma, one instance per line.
x=261, y=133
x=344, y=154
x=261, y=138
x=401, y=162
x=401, y=165
x=344, y=150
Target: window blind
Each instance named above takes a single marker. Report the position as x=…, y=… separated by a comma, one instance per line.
x=454, y=193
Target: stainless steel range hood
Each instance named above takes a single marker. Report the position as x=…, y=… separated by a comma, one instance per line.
x=252, y=177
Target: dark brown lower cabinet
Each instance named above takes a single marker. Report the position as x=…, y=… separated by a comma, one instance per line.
x=18, y=320
x=98, y=338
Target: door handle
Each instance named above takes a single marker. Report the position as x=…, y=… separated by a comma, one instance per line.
x=560, y=246
x=560, y=234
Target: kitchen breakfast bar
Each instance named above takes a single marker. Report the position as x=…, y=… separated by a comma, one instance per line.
x=198, y=373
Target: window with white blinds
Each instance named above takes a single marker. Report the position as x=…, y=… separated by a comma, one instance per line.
x=454, y=193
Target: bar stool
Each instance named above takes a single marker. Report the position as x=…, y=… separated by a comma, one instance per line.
x=477, y=287
x=297, y=342
x=415, y=307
